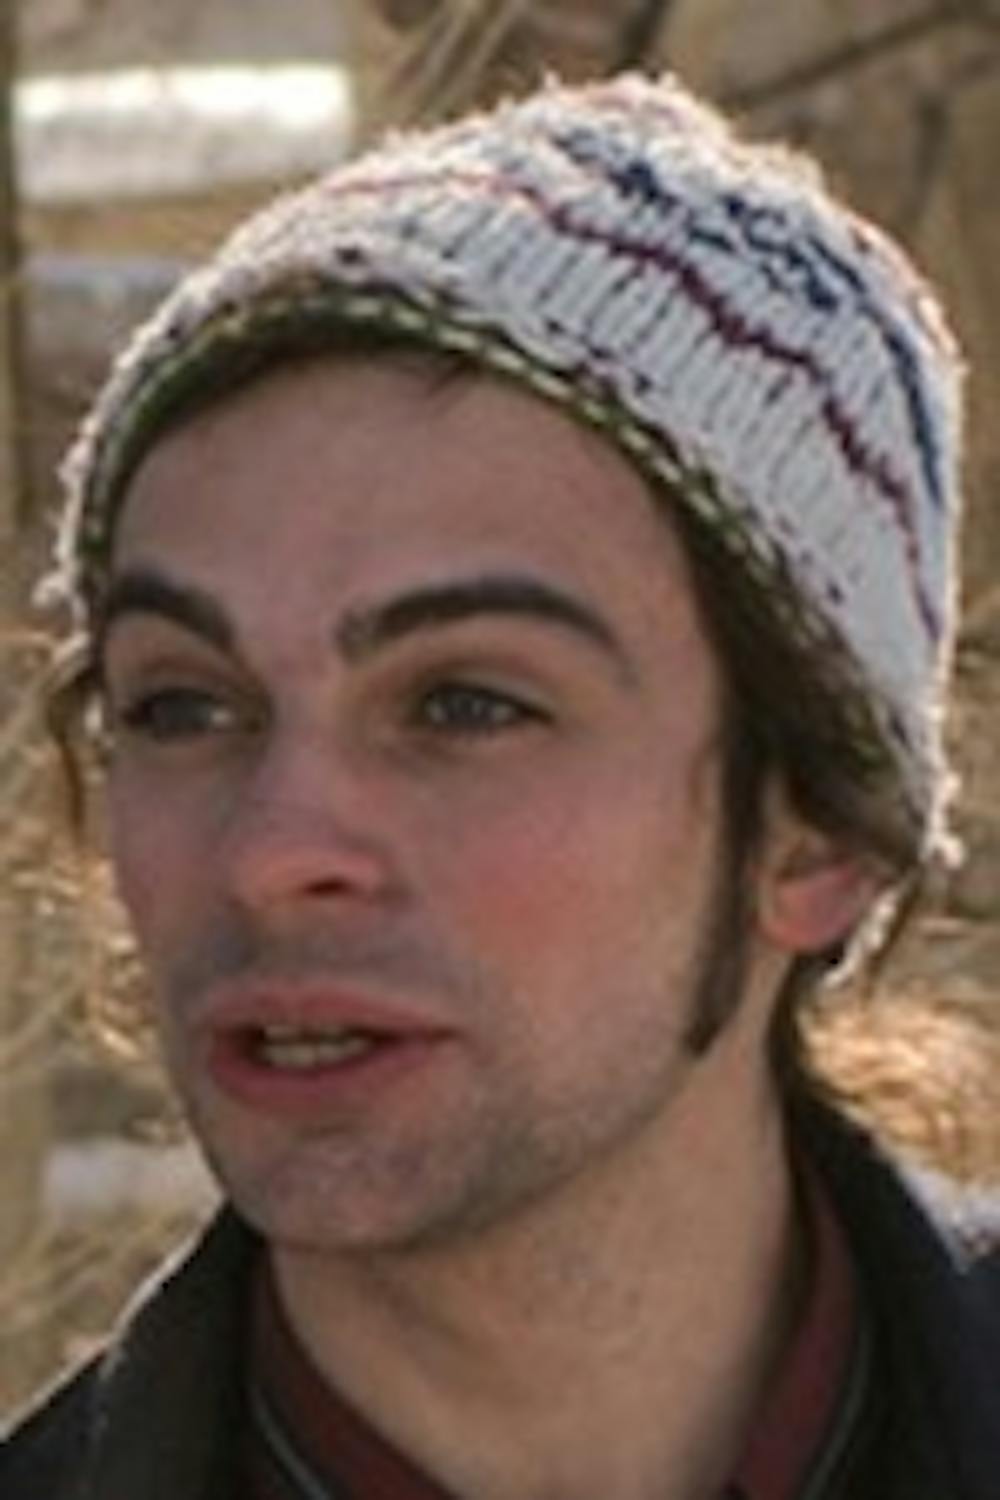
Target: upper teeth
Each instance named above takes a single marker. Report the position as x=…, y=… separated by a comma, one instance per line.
x=288, y=1046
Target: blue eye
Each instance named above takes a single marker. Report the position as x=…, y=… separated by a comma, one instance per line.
x=471, y=709
x=177, y=713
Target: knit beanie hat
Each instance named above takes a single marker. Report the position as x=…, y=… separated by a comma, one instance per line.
x=765, y=357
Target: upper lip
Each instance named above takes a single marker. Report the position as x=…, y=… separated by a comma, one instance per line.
x=314, y=1005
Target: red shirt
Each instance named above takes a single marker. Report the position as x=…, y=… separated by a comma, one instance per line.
x=810, y=1420
x=306, y=1443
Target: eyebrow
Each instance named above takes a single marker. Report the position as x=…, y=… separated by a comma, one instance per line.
x=147, y=591
x=365, y=631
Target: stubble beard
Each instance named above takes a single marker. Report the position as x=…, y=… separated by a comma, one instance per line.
x=497, y=1164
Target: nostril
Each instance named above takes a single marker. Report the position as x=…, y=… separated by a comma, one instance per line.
x=329, y=887
x=281, y=853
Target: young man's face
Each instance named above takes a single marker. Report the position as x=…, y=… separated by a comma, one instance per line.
x=414, y=797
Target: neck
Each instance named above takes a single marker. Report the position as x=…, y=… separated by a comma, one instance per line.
x=667, y=1286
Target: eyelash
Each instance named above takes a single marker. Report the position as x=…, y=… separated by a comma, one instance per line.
x=483, y=710
x=141, y=715
x=457, y=707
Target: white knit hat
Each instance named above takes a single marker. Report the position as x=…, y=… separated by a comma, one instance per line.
x=750, y=344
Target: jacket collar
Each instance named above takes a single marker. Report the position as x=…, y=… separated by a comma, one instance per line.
x=936, y=1315
x=167, y=1398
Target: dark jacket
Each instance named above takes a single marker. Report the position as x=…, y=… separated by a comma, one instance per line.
x=157, y=1416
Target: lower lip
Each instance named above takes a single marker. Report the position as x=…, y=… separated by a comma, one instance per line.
x=315, y=1092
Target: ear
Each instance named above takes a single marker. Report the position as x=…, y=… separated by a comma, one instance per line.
x=812, y=892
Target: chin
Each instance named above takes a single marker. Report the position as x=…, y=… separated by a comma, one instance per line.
x=310, y=1200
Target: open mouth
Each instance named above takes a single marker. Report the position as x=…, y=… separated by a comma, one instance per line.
x=314, y=1054
x=299, y=1049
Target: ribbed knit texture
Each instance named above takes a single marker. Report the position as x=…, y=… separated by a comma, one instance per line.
x=765, y=355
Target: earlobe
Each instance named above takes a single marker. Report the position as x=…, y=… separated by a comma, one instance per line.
x=812, y=895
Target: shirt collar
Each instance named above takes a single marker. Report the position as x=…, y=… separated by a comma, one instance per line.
x=810, y=1418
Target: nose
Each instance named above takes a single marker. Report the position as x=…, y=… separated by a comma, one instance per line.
x=303, y=827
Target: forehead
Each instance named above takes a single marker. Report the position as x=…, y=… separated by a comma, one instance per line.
x=356, y=475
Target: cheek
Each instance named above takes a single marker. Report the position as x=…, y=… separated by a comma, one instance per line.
x=575, y=877
x=156, y=854
x=584, y=917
